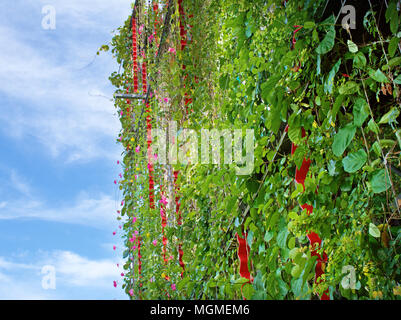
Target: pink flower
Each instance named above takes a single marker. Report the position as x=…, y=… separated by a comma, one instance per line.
x=133, y=219
x=114, y=247
x=150, y=38
x=118, y=211
x=121, y=138
x=120, y=175
x=118, y=265
x=114, y=233
x=137, y=149
x=172, y=50
x=122, y=202
x=155, y=155
x=115, y=284
x=163, y=200
x=115, y=181
x=119, y=227
x=171, y=257
x=121, y=113
x=154, y=242
x=140, y=30
x=133, y=248
x=122, y=274
x=135, y=177
x=173, y=286
x=161, y=212
x=136, y=232
x=166, y=100
x=118, y=161
x=131, y=292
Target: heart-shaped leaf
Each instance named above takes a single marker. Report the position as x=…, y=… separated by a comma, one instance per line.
x=342, y=139
x=374, y=231
x=354, y=161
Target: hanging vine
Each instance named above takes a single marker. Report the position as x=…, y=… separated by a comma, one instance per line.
x=323, y=100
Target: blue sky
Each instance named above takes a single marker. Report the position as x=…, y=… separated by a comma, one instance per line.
x=58, y=153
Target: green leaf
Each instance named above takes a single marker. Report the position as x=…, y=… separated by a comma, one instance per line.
x=380, y=181
x=337, y=104
x=372, y=126
x=394, y=22
x=249, y=238
x=398, y=79
x=390, y=116
x=294, y=133
x=282, y=238
x=395, y=62
x=248, y=291
x=296, y=271
x=328, y=85
x=359, y=61
x=352, y=47
x=331, y=167
x=318, y=64
x=291, y=243
x=328, y=41
x=360, y=111
x=309, y=24
x=393, y=45
x=376, y=148
x=374, y=231
x=354, y=161
x=378, y=75
x=348, y=88
x=268, y=236
x=342, y=139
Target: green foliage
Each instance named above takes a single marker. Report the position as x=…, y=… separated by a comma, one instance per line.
x=346, y=96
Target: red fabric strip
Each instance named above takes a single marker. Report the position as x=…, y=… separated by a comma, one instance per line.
x=314, y=239
x=134, y=56
x=243, y=254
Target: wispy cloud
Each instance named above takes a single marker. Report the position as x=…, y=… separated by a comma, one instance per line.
x=19, y=184
x=73, y=272
x=51, y=93
x=97, y=211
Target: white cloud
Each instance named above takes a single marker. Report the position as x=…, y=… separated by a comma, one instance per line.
x=17, y=182
x=51, y=95
x=98, y=212
x=73, y=273
x=75, y=270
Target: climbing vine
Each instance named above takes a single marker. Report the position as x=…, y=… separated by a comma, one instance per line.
x=323, y=100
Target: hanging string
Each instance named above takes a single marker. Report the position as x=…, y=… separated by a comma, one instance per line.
x=179, y=221
x=139, y=267
x=149, y=140
x=183, y=43
x=314, y=239
x=134, y=55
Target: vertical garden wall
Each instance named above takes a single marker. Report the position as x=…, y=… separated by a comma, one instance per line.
x=318, y=217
